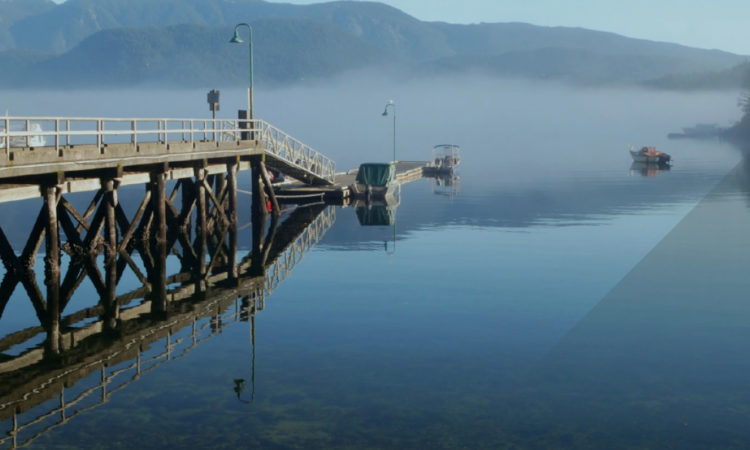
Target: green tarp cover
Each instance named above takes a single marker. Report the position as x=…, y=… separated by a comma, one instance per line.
x=376, y=216
x=376, y=174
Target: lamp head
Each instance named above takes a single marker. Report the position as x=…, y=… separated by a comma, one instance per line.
x=390, y=103
x=236, y=39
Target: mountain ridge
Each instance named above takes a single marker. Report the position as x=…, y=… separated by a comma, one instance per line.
x=343, y=35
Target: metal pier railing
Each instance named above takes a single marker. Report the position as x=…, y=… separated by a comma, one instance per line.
x=58, y=135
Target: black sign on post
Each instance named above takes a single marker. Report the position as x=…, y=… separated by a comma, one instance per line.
x=244, y=124
x=213, y=101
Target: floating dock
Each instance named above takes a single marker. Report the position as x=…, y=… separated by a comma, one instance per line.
x=340, y=190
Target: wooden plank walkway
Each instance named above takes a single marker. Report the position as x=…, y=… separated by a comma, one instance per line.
x=406, y=172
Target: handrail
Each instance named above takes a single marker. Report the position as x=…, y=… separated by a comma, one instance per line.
x=295, y=152
x=24, y=133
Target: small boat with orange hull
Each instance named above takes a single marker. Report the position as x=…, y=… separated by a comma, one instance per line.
x=650, y=155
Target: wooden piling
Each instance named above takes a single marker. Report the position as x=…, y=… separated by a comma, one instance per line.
x=159, y=204
x=259, y=212
x=110, y=203
x=159, y=247
x=52, y=270
x=269, y=187
x=201, y=226
x=232, y=169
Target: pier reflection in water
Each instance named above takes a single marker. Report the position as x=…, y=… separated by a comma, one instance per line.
x=90, y=354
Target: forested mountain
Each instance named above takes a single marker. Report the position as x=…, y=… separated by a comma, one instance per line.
x=496, y=38
x=735, y=77
x=11, y=11
x=84, y=42
x=195, y=55
x=569, y=64
x=740, y=132
x=68, y=24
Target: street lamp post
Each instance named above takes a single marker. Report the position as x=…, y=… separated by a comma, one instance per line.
x=236, y=39
x=385, y=113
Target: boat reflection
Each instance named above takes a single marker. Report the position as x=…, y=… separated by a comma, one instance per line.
x=378, y=213
x=648, y=169
x=447, y=185
x=43, y=386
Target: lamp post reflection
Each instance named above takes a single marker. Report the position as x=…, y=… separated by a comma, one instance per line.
x=393, y=247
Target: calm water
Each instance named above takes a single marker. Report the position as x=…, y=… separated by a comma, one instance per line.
x=553, y=298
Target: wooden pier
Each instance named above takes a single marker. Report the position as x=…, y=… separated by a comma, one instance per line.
x=188, y=210
x=197, y=218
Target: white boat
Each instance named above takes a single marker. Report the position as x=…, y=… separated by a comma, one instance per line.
x=650, y=155
x=29, y=140
x=445, y=158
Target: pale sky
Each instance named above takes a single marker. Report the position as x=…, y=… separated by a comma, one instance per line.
x=722, y=24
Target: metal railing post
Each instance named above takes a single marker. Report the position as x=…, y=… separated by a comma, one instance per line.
x=134, y=134
x=57, y=137
x=7, y=139
x=99, y=140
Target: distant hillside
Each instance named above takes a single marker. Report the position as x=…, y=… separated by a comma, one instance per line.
x=574, y=65
x=740, y=132
x=184, y=42
x=12, y=11
x=19, y=62
x=732, y=78
x=497, y=38
x=193, y=55
x=70, y=23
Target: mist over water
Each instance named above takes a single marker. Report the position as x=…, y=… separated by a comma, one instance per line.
x=456, y=338
x=533, y=152
x=514, y=120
